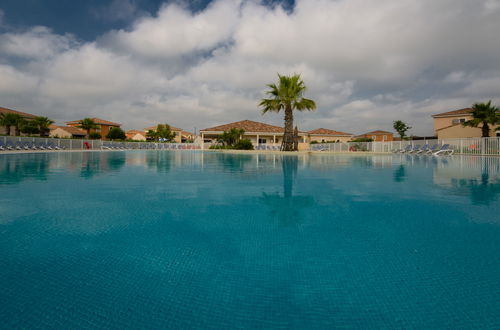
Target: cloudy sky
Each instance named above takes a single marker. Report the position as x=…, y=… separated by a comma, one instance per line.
x=204, y=63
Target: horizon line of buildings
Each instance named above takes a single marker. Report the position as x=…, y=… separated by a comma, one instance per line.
x=446, y=125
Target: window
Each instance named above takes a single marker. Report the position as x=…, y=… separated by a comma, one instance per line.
x=262, y=140
x=458, y=121
x=384, y=137
x=374, y=138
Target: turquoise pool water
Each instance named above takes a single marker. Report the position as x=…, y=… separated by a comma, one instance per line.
x=165, y=239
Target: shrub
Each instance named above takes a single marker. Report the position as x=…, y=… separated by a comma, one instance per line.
x=243, y=144
x=94, y=136
x=362, y=140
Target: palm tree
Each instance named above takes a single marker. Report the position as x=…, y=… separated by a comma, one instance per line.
x=287, y=96
x=87, y=124
x=43, y=124
x=12, y=119
x=485, y=114
x=8, y=120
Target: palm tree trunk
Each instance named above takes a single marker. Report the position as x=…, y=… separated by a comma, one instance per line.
x=288, y=134
x=485, y=129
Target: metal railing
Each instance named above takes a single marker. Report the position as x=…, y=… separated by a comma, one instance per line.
x=38, y=143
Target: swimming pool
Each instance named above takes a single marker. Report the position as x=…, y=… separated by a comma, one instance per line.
x=157, y=239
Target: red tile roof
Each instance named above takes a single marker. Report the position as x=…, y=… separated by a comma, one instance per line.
x=324, y=131
x=377, y=132
x=248, y=126
x=23, y=114
x=98, y=121
x=459, y=112
x=134, y=131
x=153, y=128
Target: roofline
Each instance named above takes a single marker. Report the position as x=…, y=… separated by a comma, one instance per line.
x=455, y=115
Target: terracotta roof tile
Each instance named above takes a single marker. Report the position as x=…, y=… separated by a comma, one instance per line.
x=377, y=132
x=98, y=121
x=23, y=114
x=134, y=131
x=459, y=112
x=324, y=131
x=248, y=126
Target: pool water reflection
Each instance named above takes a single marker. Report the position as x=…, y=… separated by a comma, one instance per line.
x=190, y=239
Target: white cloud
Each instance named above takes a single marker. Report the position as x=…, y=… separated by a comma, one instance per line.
x=366, y=64
x=176, y=31
x=38, y=42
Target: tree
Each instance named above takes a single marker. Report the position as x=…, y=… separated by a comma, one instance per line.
x=87, y=124
x=231, y=137
x=287, y=96
x=116, y=133
x=29, y=127
x=152, y=134
x=484, y=114
x=401, y=127
x=164, y=132
x=10, y=119
x=42, y=123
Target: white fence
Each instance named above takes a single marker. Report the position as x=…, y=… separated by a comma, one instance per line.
x=37, y=143
x=469, y=146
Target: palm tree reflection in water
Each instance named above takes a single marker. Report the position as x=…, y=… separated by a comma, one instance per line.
x=288, y=209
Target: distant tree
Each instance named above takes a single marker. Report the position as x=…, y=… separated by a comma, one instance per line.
x=484, y=114
x=87, y=124
x=153, y=135
x=287, y=96
x=43, y=124
x=401, y=127
x=164, y=132
x=116, y=133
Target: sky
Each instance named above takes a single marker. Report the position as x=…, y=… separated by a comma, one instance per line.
x=202, y=63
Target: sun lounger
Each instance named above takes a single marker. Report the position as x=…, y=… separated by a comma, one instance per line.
x=433, y=149
x=407, y=149
x=424, y=149
x=444, y=150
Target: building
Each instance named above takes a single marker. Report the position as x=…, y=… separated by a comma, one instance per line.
x=135, y=135
x=66, y=132
x=321, y=135
x=448, y=125
x=377, y=136
x=188, y=136
x=103, y=126
x=257, y=133
x=177, y=131
x=24, y=115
